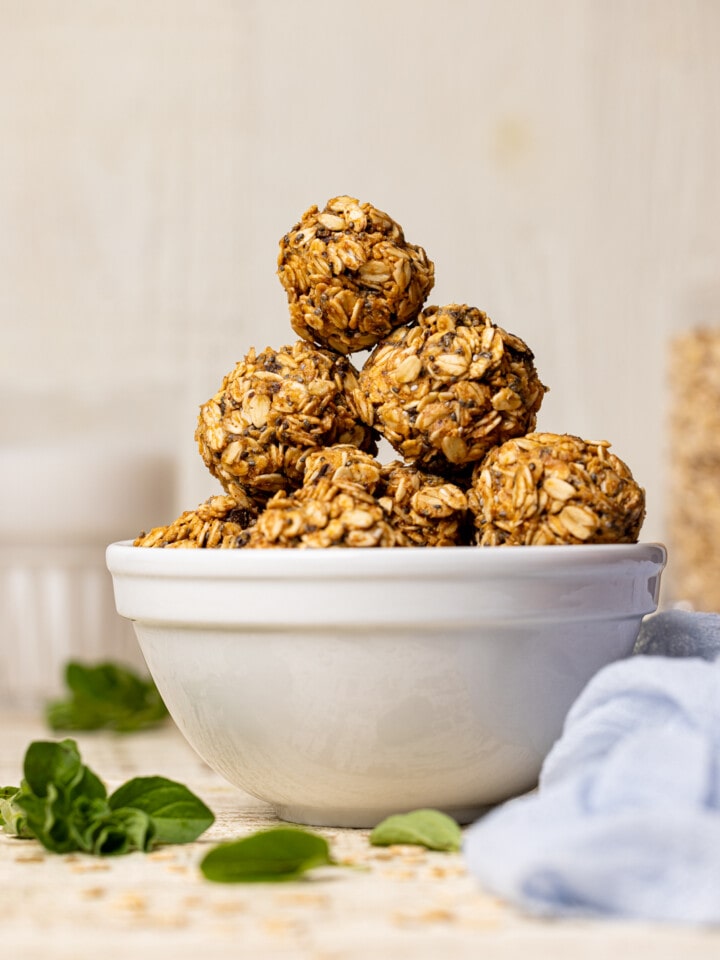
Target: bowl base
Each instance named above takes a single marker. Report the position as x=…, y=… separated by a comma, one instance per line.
x=362, y=817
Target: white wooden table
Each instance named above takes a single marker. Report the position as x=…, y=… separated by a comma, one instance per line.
x=408, y=903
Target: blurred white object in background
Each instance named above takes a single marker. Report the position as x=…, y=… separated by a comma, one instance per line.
x=59, y=508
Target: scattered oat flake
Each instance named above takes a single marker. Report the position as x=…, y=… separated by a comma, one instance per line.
x=190, y=902
x=431, y=915
x=455, y=870
x=282, y=926
x=132, y=901
x=94, y=893
x=300, y=898
x=397, y=874
x=99, y=867
x=169, y=920
x=229, y=906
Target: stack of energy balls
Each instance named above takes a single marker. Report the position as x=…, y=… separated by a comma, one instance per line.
x=292, y=433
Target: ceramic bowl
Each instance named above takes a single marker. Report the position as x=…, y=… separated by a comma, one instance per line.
x=343, y=685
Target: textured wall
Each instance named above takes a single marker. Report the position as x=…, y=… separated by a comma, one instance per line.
x=557, y=158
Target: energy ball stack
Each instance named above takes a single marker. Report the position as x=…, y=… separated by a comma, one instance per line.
x=350, y=276
x=546, y=488
x=292, y=433
x=274, y=408
x=448, y=387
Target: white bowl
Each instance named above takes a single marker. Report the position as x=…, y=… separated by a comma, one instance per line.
x=343, y=685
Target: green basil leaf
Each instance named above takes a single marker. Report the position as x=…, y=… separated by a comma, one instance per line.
x=178, y=815
x=424, y=828
x=51, y=762
x=82, y=819
x=270, y=856
x=106, y=696
x=48, y=818
x=121, y=831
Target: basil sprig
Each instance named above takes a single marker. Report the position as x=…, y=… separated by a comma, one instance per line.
x=269, y=856
x=106, y=696
x=65, y=806
x=424, y=828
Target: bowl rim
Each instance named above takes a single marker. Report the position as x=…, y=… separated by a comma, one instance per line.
x=122, y=558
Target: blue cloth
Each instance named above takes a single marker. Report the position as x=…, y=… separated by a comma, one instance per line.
x=626, y=819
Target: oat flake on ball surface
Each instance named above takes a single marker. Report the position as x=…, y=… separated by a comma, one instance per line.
x=350, y=276
x=549, y=488
x=341, y=465
x=448, y=387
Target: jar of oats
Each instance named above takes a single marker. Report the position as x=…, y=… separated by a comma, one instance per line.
x=694, y=469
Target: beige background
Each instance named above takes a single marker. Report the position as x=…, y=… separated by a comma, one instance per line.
x=558, y=159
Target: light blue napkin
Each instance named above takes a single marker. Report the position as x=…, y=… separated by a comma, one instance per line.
x=626, y=820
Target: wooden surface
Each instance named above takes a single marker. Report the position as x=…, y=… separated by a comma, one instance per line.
x=407, y=903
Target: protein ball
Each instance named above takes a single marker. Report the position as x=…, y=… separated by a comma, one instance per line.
x=327, y=517
x=549, y=488
x=448, y=387
x=220, y=521
x=426, y=509
x=350, y=276
x=274, y=408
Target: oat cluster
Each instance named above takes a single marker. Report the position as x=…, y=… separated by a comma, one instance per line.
x=221, y=521
x=547, y=488
x=291, y=435
x=448, y=387
x=350, y=276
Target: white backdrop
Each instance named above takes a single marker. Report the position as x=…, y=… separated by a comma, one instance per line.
x=557, y=159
